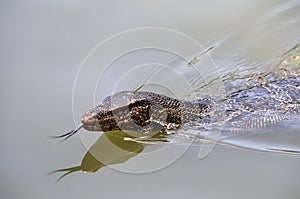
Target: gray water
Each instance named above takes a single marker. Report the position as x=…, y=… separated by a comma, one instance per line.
x=43, y=46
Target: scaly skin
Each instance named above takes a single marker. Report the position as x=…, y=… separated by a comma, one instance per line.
x=259, y=106
x=142, y=111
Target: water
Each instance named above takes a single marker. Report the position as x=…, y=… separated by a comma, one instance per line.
x=42, y=47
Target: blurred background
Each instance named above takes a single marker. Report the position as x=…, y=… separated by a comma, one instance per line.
x=42, y=46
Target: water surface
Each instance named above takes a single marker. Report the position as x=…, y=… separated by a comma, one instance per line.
x=42, y=47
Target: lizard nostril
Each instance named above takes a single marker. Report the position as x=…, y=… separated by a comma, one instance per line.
x=85, y=120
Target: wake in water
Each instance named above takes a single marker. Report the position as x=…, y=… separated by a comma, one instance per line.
x=261, y=111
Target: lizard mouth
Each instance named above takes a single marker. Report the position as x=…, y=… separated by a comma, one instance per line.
x=92, y=127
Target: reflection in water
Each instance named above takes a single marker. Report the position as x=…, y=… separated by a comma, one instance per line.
x=112, y=147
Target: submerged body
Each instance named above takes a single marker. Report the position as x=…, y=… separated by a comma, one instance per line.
x=267, y=103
